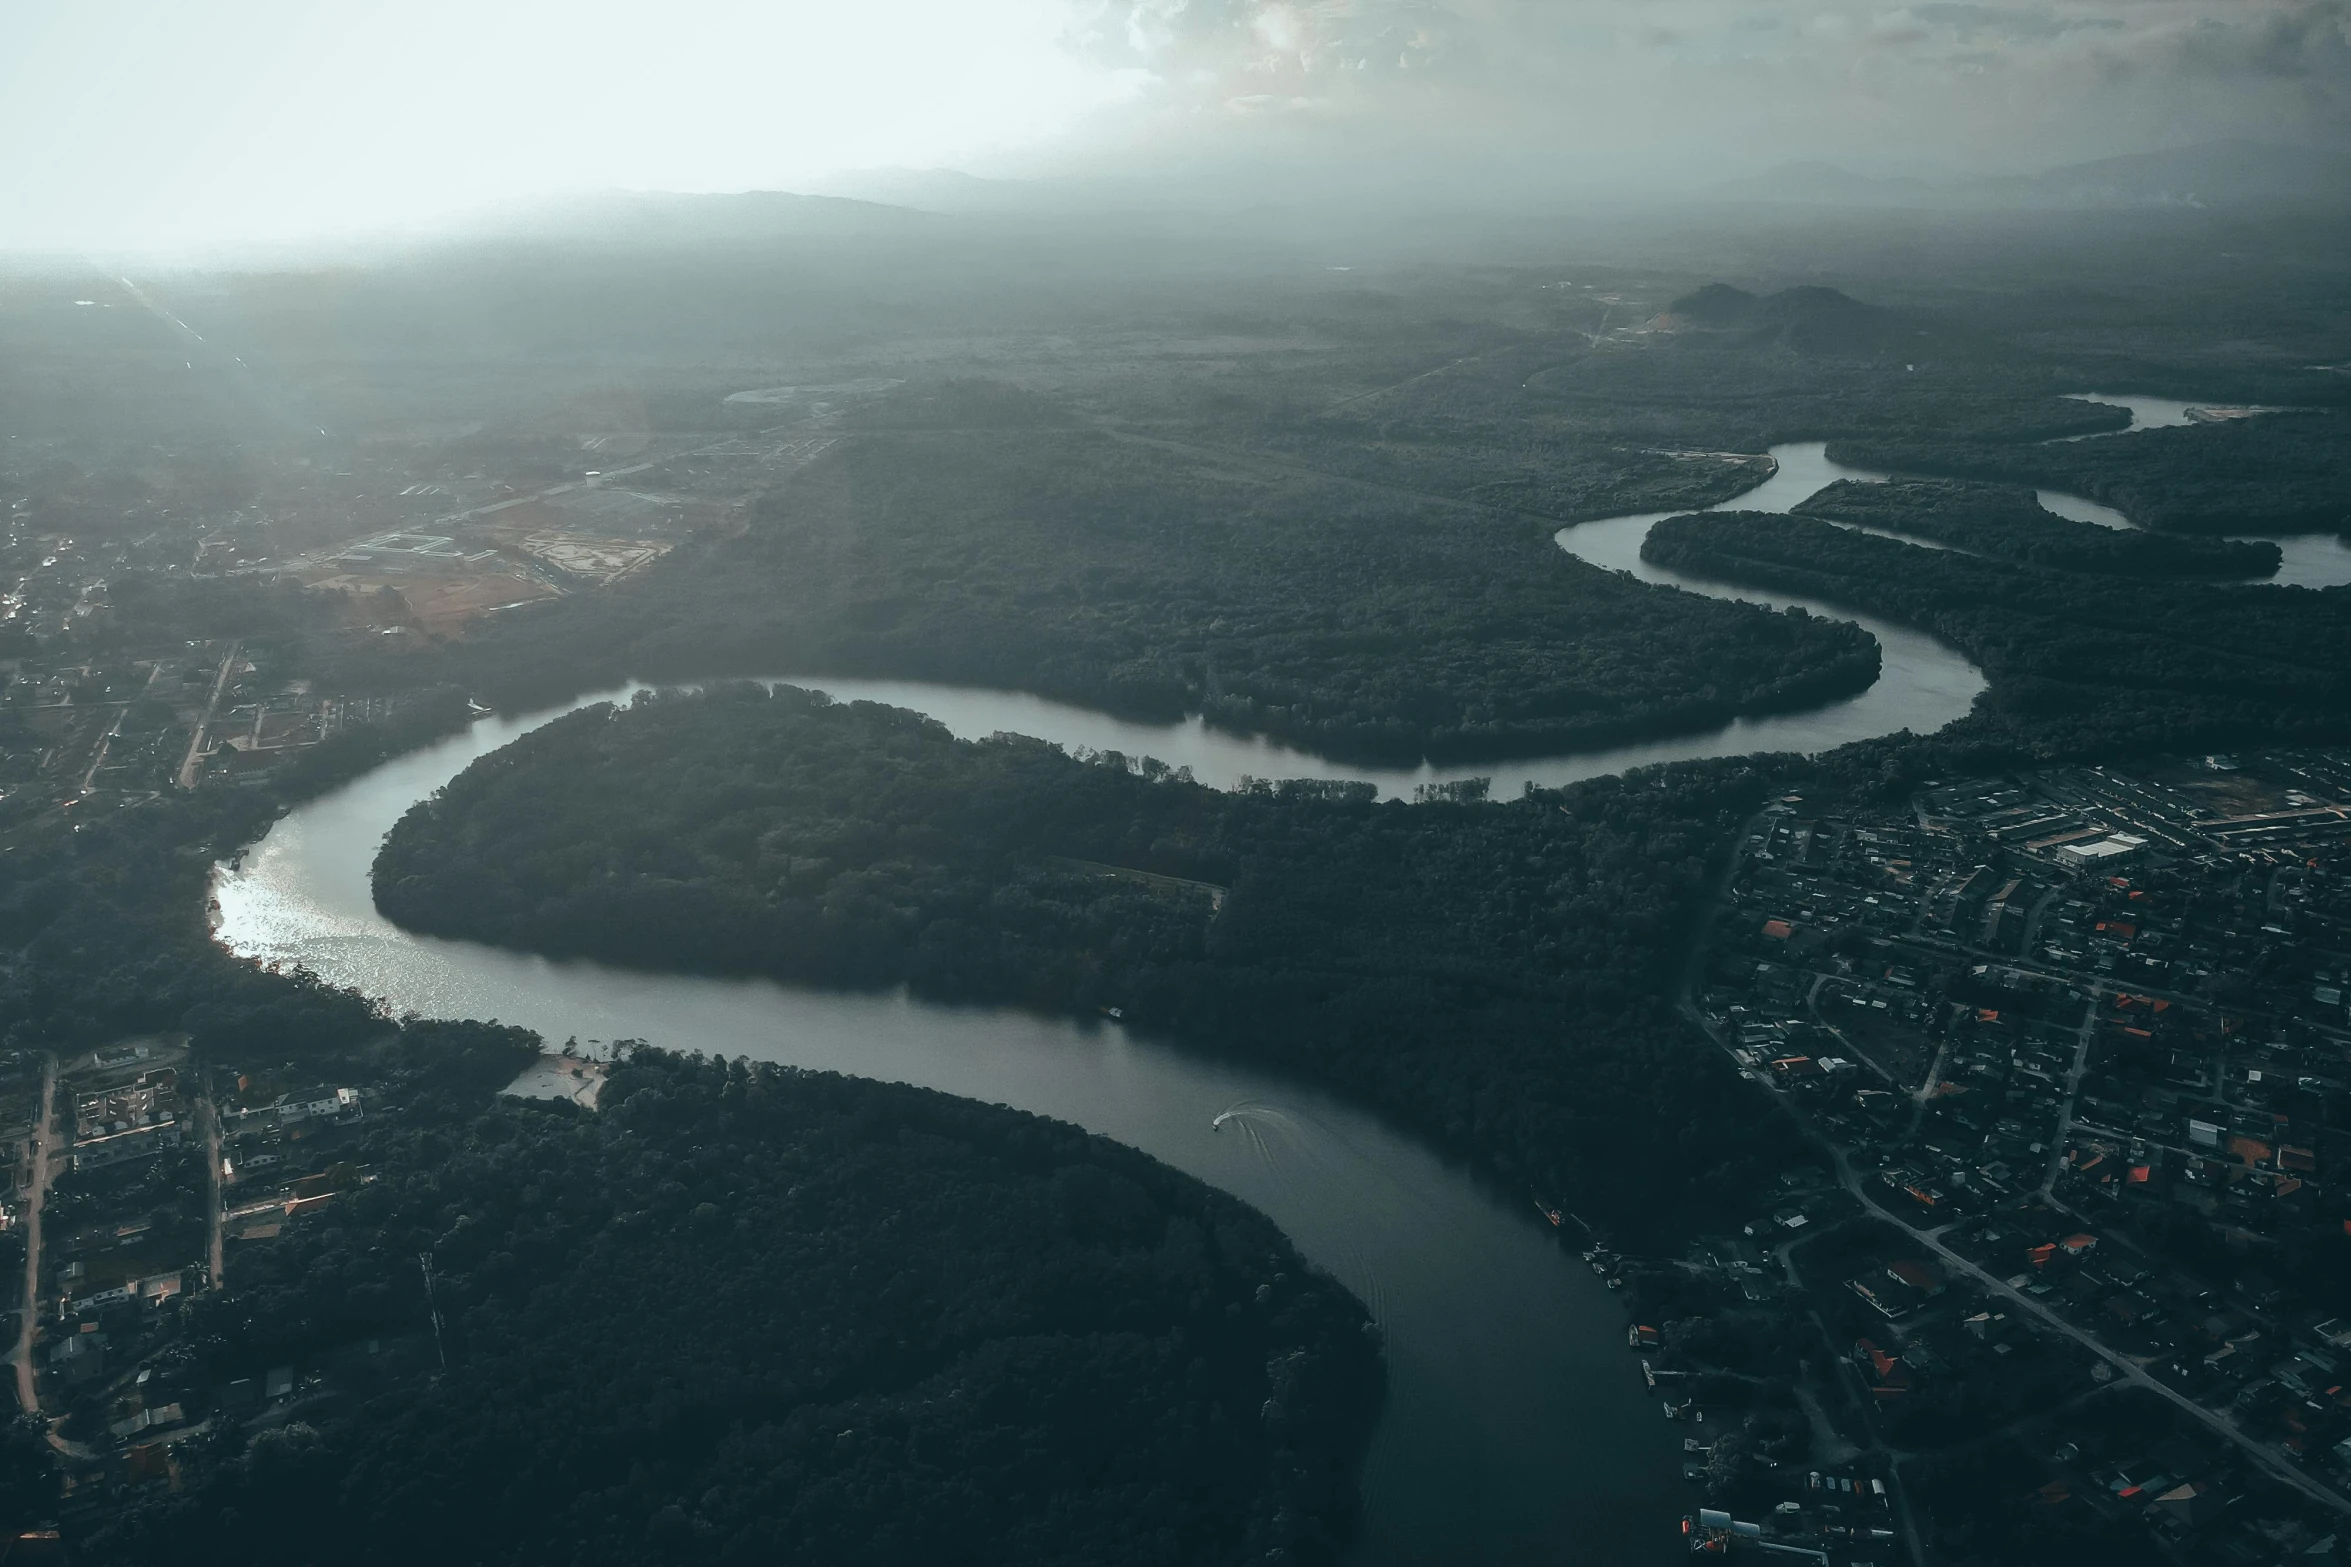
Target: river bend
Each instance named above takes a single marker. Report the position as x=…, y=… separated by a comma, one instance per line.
x=1517, y=1430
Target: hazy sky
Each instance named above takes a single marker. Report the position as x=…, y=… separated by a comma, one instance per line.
x=166, y=120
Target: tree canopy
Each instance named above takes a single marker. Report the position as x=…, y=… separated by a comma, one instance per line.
x=1488, y=973
x=750, y=1313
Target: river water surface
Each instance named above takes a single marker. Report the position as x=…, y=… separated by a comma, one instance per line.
x=1517, y=1430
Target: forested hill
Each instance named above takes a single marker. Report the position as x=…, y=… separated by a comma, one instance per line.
x=1491, y=975
x=749, y=1314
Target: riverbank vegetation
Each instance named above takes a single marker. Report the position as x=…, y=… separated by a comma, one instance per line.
x=2275, y=473
x=1810, y=366
x=2079, y=665
x=1675, y=410
x=105, y=917
x=2006, y=522
x=1492, y=975
x=745, y=1312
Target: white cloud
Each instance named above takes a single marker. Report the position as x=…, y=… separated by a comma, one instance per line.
x=189, y=118
x=1651, y=89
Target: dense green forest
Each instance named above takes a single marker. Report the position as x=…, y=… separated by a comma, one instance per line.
x=2278, y=473
x=2006, y=522
x=1745, y=389
x=2083, y=662
x=1369, y=576
x=1526, y=463
x=750, y=1313
x=1108, y=570
x=1679, y=415
x=1492, y=975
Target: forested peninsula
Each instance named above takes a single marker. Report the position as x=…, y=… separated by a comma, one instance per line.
x=748, y=1313
x=978, y=536
x=1491, y=975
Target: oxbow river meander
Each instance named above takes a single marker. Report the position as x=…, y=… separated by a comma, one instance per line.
x=1517, y=1430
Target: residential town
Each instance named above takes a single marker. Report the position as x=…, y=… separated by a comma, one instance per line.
x=137, y=1173
x=107, y=698
x=2072, y=1046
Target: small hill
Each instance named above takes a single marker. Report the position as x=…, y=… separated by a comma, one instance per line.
x=1715, y=305
x=1808, y=320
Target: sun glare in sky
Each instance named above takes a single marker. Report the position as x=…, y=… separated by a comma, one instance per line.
x=165, y=122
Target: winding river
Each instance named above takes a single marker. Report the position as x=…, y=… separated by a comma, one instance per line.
x=1517, y=1430
x=2310, y=560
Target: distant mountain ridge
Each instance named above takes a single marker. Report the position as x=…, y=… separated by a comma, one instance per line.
x=2209, y=174
x=941, y=190
x=664, y=218
x=895, y=203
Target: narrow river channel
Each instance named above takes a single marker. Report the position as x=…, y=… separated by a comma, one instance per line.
x=2310, y=560
x=1517, y=1430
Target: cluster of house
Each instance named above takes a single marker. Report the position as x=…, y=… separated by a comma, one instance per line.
x=130, y=1120
x=2087, y=1027
x=136, y=1217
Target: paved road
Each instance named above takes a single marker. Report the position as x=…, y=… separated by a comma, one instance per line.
x=2073, y=1093
x=44, y=1140
x=212, y=1243
x=194, y=762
